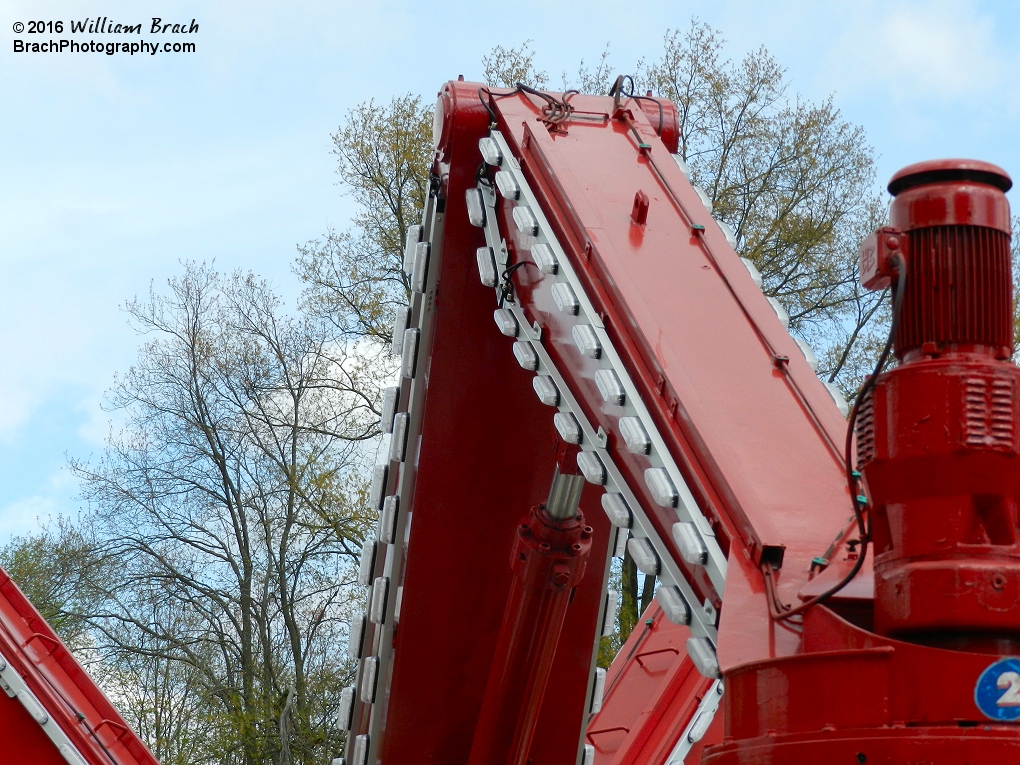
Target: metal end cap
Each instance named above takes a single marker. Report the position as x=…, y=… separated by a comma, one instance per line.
x=943, y=170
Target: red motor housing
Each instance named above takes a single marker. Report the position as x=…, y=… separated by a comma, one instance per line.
x=937, y=436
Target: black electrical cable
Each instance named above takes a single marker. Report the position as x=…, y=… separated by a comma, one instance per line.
x=484, y=91
x=864, y=525
x=507, y=290
x=658, y=103
x=555, y=111
x=482, y=175
x=618, y=87
x=559, y=109
x=486, y=104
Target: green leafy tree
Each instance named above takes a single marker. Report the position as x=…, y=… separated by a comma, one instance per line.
x=506, y=67
x=355, y=279
x=55, y=567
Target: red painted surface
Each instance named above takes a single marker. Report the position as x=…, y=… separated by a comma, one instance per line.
x=937, y=445
x=938, y=440
x=548, y=562
x=852, y=692
x=474, y=482
x=756, y=439
x=497, y=649
x=65, y=690
x=759, y=442
x=652, y=692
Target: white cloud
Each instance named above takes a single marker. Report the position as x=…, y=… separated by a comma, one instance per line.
x=938, y=49
x=926, y=51
x=27, y=514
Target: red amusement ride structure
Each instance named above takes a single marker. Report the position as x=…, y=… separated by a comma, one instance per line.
x=51, y=712
x=587, y=367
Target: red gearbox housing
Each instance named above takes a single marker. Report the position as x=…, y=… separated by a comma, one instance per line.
x=937, y=436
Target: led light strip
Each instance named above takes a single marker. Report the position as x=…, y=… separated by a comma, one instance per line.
x=698, y=725
x=527, y=353
x=14, y=685
x=675, y=594
x=392, y=488
x=692, y=533
x=658, y=456
x=593, y=441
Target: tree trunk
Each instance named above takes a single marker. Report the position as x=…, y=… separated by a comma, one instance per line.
x=628, y=597
x=647, y=592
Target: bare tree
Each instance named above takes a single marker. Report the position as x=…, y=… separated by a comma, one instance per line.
x=168, y=702
x=595, y=81
x=229, y=511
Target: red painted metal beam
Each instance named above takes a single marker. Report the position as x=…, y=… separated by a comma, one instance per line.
x=753, y=429
x=472, y=484
x=652, y=693
x=68, y=709
x=548, y=561
x=652, y=310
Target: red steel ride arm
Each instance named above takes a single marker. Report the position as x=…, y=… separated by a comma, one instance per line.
x=625, y=325
x=51, y=712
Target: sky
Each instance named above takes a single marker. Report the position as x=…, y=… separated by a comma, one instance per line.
x=114, y=169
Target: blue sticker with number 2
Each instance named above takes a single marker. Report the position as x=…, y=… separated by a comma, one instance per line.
x=997, y=693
